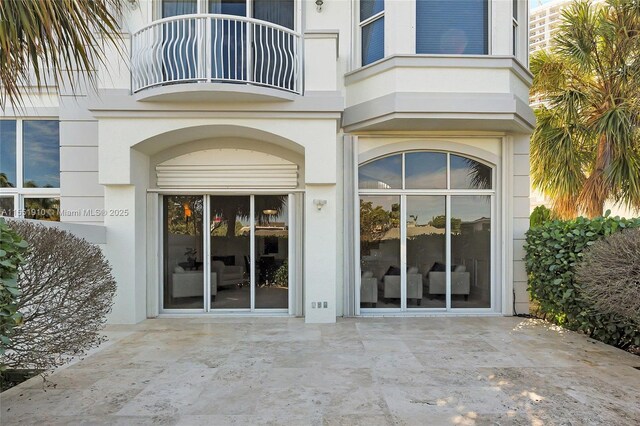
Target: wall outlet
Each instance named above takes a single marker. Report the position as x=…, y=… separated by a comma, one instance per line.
x=319, y=305
x=313, y=305
x=324, y=305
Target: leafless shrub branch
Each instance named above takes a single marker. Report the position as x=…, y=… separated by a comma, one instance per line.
x=610, y=274
x=67, y=291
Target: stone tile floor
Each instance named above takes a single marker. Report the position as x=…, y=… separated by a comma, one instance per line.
x=369, y=371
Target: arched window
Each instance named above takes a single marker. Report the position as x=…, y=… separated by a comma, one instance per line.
x=425, y=232
x=425, y=170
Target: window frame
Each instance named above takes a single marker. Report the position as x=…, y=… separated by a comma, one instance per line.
x=515, y=28
x=497, y=293
x=19, y=192
x=361, y=24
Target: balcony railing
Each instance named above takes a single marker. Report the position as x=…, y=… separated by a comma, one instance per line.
x=216, y=48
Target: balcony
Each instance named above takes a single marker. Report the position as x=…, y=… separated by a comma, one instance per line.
x=242, y=57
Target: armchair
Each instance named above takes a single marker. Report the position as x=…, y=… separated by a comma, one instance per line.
x=460, y=282
x=414, y=286
x=190, y=283
x=228, y=275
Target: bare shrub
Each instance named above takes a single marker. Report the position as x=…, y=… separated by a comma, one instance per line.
x=609, y=274
x=66, y=292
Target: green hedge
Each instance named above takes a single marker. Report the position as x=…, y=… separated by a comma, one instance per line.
x=552, y=251
x=12, y=248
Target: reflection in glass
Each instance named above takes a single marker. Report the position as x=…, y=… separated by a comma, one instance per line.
x=373, y=41
x=469, y=174
x=426, y=251
x=7, y=153
x=426, y=170
x=178, y=7
x=368, y=8
x=272, y=251
x=230, y=251
x=6, y=207
x=385, y=173
x=471, y=251
x=452, y=27
x=183, y=248
x=41, y=153
x=380, y=251
x=42, y=209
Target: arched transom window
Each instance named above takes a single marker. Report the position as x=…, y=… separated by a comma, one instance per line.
x=425, y=170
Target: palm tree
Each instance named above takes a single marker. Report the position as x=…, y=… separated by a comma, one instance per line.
x=51, y=40
x=585, y=147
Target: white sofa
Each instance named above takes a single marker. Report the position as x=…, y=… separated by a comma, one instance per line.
x=414, y=286
x=369, y=288
x=190, y=283
x=460, y=283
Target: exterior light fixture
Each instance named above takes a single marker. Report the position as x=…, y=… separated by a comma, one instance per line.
x=319, y=4
x=320, y=204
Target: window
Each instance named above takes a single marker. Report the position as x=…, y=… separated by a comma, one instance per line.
x=515, y=27
x=425, y=232
x=371, y=30
x=452, y=27
x=30, y=169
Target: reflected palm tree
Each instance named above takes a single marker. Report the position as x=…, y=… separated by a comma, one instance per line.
x=238, y=207
x=479, y=174
x=4, y=181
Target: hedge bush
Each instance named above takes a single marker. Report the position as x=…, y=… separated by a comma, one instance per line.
x=553, y=250
x=12, y=248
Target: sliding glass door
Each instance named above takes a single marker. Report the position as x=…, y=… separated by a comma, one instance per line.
x=243, y=264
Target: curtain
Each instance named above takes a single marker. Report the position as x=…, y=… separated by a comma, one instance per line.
x=275, y=11
x=178, y=7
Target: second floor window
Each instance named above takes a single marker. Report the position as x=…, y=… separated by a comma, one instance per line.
x=372, y=30
x=280, y=12
x=456, y=27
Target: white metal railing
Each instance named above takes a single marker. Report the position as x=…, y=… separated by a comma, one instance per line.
x=216, y=48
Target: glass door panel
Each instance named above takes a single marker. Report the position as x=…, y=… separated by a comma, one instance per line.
x=471, y=251
x=230, y=232
x=179, y=45
x=271, y=251
x=426, y=251
x=228, y=47
x=380, y=283
x=183, y=286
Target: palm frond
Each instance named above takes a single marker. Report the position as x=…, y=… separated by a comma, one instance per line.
x=53, y=42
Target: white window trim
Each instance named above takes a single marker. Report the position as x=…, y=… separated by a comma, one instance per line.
x=19, y=192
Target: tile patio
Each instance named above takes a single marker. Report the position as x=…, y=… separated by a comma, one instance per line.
x=369, y=371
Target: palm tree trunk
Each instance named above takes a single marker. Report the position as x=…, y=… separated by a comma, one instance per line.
x=594, y=193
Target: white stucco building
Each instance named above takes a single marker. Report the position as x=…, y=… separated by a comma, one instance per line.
x=290, y=157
